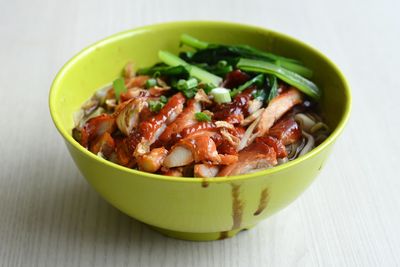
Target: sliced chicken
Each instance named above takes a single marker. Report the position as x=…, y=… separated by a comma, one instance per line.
x=96, y=127
x=177, y=172
x=178, y=156
x=235, y=111
x=256, y=156
x=205, y=170
x=124, y=153
x=155, y=126
x=275, y=143
x=128, y=116
x=184, y=120
x=287, y=130
x=152, y=161
x=276, y=108
x=198, y=147
x=104, y=144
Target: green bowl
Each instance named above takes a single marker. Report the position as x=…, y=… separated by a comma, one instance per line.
x=193, y=208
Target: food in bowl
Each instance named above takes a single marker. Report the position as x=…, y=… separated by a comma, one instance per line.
x=219, y=110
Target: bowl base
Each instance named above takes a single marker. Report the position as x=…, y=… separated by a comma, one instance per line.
x=199, y=236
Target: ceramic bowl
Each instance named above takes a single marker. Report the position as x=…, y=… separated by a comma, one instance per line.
x=193, y=208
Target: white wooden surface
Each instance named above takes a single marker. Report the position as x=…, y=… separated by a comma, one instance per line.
x=49, y=216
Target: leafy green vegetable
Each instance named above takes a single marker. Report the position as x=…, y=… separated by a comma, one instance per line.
x=200, y=116
x=304, y=85
x=211, y=53
x=193, y=42
x=119, y=87
x=155, y=106
x=260, y=95
x=273, y=83
x=218, y=69
x=157, y=70
x=202, y=75
x=257, y=80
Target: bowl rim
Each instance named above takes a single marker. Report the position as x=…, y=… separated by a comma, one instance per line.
x=246, y=27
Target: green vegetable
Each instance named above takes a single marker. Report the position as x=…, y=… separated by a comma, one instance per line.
x=211, y=53
x=193, y=42
x=273, y=83
x=221, y=95
x=151, y=83
x=163, y=99
x=220, y=69
x=155, y=106
x=186, y=85
x=202, y=75
x=200, y=116
x=119, y=87
x=157, y=70
x=260, y=95
x=304, y=85
x=207, y=87
x=257, y=80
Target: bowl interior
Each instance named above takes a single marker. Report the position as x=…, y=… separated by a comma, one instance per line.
x=102, y=62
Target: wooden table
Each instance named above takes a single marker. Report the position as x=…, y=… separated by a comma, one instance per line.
x=49, y=215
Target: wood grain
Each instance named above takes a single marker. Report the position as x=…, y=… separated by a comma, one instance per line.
x=49, y=216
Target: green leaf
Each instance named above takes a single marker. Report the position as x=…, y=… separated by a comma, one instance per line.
x=257, y=80
x=260, y=95
x=273, y=83
x=200, y=116
x=157, y=70
x=211, y=53
x=119, y=87
x=301, y=83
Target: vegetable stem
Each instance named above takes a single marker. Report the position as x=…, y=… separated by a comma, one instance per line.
x=292, y=78
x=202, y=75
x=193, y=42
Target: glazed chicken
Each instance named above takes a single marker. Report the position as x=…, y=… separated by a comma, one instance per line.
x=183, y=121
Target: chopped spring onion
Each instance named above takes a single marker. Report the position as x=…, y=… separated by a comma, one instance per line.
x=163, y=99
x=221, y=95
x=155, y=106
x=202, y=75
x=200, y=116
x=294, y=79
x=151, y=83
x=186, y=85
x=119, y=87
